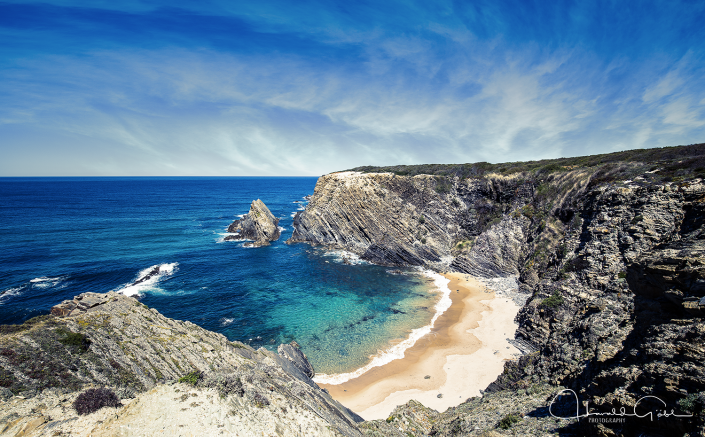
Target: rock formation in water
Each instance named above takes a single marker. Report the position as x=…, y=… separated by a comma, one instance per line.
x=609, y=251
x=258, y=225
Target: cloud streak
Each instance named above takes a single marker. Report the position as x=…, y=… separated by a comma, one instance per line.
x=307, y=88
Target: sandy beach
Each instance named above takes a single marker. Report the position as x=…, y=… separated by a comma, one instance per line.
x=464, y=352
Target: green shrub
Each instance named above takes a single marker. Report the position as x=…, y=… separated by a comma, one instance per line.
x=688, y=403
x=191, y=378
x=622, y=275
x=422, y=219
x=553, y=301
x=423, y=240
x=508, y=420
x=75, y=339
x=528, y=211
x=549, y=168
x=442, y=188
x=94, y=399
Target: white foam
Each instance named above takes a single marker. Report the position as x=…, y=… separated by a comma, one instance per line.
x=224, y=321
x=14, y=291
x=342, y=255
x=45, y=282
x=397, y=351
x=222, y=235
x=140, y=284
x=281, y=229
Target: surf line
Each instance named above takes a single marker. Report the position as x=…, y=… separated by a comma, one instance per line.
x=397, y=351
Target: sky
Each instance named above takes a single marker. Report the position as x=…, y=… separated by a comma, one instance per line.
x=306, y=87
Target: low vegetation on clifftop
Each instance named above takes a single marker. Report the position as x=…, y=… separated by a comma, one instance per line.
x=609, y=252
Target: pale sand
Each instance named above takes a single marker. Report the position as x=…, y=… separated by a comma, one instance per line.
x=463, y=354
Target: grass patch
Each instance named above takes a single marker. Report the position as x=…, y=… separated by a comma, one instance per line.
x=508, y=421
x=553, y=301
x=74, y=339
x=191, y=378
x=9, y=329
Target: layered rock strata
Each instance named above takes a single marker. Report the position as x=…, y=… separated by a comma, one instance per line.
x=115, y=341
x=258, y=225
x=609, y=260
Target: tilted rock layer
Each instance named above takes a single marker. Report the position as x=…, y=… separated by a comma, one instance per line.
x=611, y=259
x=258, y=225
x=113, y=340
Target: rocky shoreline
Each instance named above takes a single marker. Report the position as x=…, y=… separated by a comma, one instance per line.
x=606, y=255
x=111, y=340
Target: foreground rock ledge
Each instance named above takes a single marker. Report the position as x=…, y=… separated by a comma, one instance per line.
x=115, y=341
x=258, y=225
x=111, y=340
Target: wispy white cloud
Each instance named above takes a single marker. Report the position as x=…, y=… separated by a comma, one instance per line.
x=435, y=90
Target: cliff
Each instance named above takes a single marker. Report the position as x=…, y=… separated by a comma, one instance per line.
x=113, y=340
x=608, y=251
x=258, y=225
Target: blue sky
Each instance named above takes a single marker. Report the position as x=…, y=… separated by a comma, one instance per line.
x=214, y=87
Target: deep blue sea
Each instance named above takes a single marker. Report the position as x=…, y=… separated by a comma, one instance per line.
x=63, y=236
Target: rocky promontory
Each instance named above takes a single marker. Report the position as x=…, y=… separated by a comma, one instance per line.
x=172, y=377
x=608, y=251
x=258, y=225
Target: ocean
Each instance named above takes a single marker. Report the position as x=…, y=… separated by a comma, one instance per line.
x=60, y=237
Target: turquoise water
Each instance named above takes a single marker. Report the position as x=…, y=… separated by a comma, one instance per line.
x=63, y=236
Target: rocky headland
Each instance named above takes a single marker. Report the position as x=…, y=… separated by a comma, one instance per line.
x=608, y=251
x=111, y=340
x=605, y=254
x=259, y=225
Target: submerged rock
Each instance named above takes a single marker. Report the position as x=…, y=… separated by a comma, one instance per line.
x=258, y=225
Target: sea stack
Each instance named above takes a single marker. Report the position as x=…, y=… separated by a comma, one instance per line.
x=258, y=225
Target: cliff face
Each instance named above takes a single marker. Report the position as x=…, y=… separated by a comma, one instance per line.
x=115, y=341
x=421, y=220
x=258, y=225
x=611, y=257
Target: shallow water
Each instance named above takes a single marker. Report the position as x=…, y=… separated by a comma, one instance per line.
x=63, y=236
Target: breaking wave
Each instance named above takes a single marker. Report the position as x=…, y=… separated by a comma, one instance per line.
x=147, y=279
